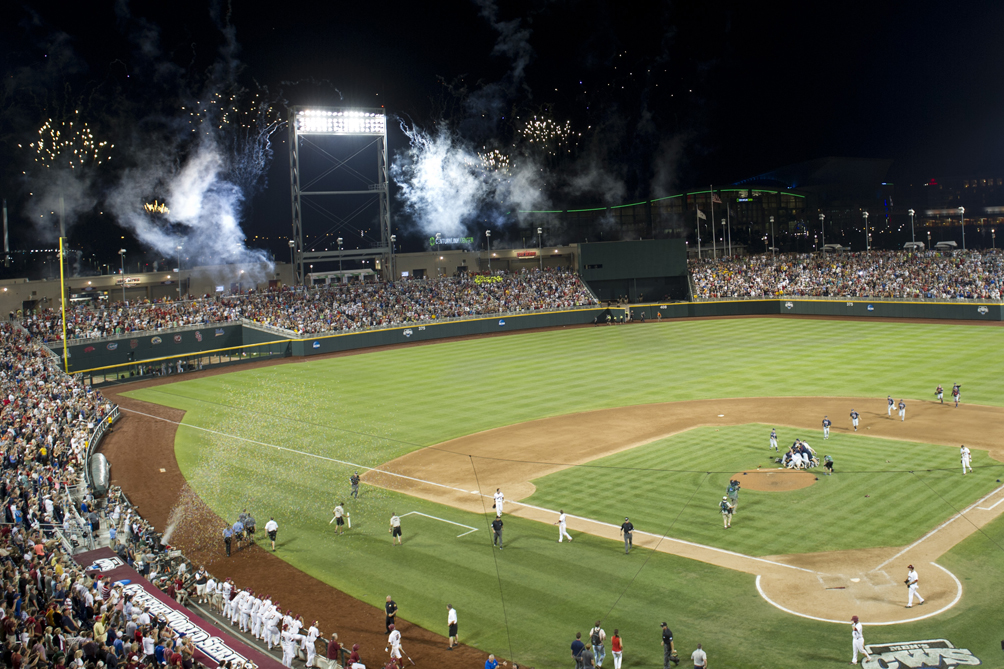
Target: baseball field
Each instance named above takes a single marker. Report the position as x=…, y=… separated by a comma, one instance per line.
x=648, y=421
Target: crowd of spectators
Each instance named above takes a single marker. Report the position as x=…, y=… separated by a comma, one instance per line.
x=929, y=275
x=330, y=308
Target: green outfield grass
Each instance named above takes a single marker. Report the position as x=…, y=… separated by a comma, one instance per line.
x=647, y=484
x=370, y=408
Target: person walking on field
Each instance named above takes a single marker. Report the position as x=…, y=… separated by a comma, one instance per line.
x=668, y=649
x=854, y=419
x=617, y=648
x=939, y=394
x=967, y=459
x=562, y=532
x=912, y=581
x=902, y=410
x=390, y=608
x=626, y=529
x=726, y=510
x=957, y=394
x=889, y=407
x=826, y=427
x=596, y=637
x=271, y=527
x=354, y=480
x=700, y=658
x=339, y=512
x=858, y=640
x=451, y=623
x=395, y=528
x=773, y=438
x=497, y=532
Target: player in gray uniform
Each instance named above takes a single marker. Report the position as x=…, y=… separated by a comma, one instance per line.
x=773, y=438
x=826, y=427
x=888, y=410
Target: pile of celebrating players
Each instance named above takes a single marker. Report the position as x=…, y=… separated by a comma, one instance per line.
x=799, y=456
x=331, y=308
x=928, y=275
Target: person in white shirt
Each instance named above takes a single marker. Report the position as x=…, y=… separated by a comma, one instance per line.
x=395, y=529
x=148, y=648
x=858, y=640
x=700, y=658
x=210, y=592
x=562, y=532
x=271, y=527
x=309, y=642
x=394, y=644
x=245, y=615
x=287, y=648
x=499, y=501
x=912, y=581
x=339, y=518
x=967, y=459
x=451, y=622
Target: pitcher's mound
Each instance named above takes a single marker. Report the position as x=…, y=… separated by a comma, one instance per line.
x=775, y=480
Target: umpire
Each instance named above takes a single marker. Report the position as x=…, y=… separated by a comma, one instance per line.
x=228, y=536
x=497, y=532
x=627, y=528
x=668, y=650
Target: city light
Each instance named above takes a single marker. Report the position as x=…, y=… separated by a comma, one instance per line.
x=339, y=122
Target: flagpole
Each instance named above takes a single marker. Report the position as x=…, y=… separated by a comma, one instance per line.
x=714, y=252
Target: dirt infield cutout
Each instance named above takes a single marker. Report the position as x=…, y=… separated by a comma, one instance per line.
x=801, y=584
x=774, y=480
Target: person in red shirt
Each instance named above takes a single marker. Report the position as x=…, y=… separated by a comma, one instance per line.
x=616, y=647
x=353, y=656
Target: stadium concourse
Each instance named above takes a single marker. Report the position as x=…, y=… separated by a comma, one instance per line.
x=330, y=308
x=928, y=275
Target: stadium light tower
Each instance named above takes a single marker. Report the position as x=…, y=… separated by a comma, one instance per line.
x=488, y=243
x=122, y=253
x=292, y=264
x=911, y=212
x=393, y=250
x=867, y=240
x=540, y=250
x=822, y=229
x=321, y=132
x=773, y=252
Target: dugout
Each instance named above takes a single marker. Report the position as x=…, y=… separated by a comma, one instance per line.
x=646, y=270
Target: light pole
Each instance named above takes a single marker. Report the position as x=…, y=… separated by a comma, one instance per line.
x=911, y=212
x=488, y=243
x=962, y=218
x=928, y=240
x=341, y=279
x=540, y=248
x=773, y=246
x=122, y=255
x=292, y=266
x=393, y=244
x=993, y=238
x=179, y=273
x=822, y=229
x=868, y=244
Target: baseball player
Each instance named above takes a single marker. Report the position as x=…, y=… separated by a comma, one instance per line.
x=858, y=640
x=562, y=531
x=854, y=419
x=271, y=527
x=354, y=480
x=889, y=408
x=912, y=581
x=732, y=492
x=726, y=509
x=773, y=438
x=627, y=529
x=309, y=642
x=957, y=394
x=499, y=501
x=826, y=427
x=902, y=410
x=939, y=393
x=339, y=512
x=967, y=459
x=395, y=528
x=394, y=646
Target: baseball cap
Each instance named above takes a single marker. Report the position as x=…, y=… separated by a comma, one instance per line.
x=909, y=566
x=664, y=625
x=854, y=619
x=626, y=518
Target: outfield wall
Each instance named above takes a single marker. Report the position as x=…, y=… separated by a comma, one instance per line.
x=970, y=311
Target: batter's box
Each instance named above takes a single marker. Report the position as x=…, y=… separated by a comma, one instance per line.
x=833, y=581
x=879, y=578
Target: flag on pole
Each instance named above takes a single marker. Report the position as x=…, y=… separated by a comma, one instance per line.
x=715, y=198
x=700, y=214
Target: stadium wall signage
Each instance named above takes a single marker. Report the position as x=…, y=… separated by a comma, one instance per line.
x=487, y=279
x=212, y=644
x=156, y=340
x=450, y=240
x=931, y=653
x=526, y=254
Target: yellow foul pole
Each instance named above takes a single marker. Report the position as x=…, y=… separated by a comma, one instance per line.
x=62, y=301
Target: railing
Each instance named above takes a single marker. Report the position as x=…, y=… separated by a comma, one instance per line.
x=71, y=341
x=269, y=328
x=95, y=439
x=850, y=298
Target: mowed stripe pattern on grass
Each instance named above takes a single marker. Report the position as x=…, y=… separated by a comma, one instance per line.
x=674, y=486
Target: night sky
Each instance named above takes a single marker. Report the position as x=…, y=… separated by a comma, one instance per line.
x=666, y=96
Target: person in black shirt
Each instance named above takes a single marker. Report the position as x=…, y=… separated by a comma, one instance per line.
x=626, y=529
x=354, y=480
x=497, y=529
x=668, y=650
x=391, y=608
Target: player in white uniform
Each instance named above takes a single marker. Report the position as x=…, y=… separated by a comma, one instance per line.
x=223, y=597
x=912, y=581
x=854, y=419
x=245, y=616
x=889, y=408
x=499, y=501
x=967, y=459
x=272, y=628
x=394, y=644
x=562, y=532
x=858, y=639
x=826, y=427
x=902, y=410
x=773, y=438
x=309, y=643
x=286, y=639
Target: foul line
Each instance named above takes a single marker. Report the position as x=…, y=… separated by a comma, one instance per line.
x=992, y=506
x=958, y=596
x=449, y=487
x=942, y=526
x=419, y=513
